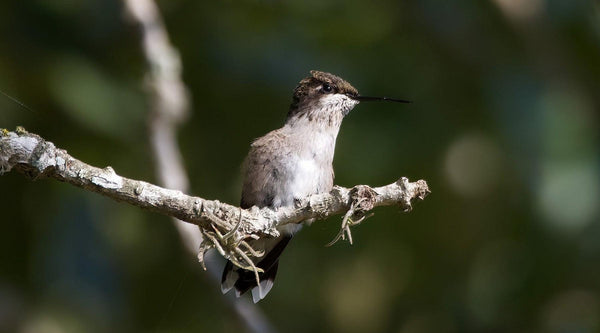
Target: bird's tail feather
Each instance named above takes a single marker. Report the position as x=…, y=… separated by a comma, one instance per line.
x=243, y=280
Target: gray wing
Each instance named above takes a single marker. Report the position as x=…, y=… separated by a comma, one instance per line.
x=265, y=171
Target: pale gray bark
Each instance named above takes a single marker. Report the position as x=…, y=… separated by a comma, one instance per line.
x=35, y=157
x=224, y=226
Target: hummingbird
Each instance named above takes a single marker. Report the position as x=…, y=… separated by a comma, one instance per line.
x=289, y=164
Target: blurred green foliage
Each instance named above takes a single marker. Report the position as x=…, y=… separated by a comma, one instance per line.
x=504, y=127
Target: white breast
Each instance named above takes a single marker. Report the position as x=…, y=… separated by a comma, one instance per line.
x=307, y=178
x=309, y=167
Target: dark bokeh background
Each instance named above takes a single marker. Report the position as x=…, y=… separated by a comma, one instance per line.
x=504, y=128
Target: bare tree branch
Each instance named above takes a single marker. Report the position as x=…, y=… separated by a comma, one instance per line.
x=225, y=227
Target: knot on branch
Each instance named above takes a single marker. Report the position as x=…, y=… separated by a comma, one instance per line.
x=422, y=190
x=28, y=153
x=362, y=200
x=418, y=189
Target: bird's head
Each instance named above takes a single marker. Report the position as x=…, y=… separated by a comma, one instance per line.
x=324, y=96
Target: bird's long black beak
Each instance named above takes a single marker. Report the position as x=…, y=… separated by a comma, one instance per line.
x=371, y=98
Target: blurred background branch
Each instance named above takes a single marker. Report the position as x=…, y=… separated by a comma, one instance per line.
x=170, y=107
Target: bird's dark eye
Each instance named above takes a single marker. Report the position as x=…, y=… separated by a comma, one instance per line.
x=327, y=88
